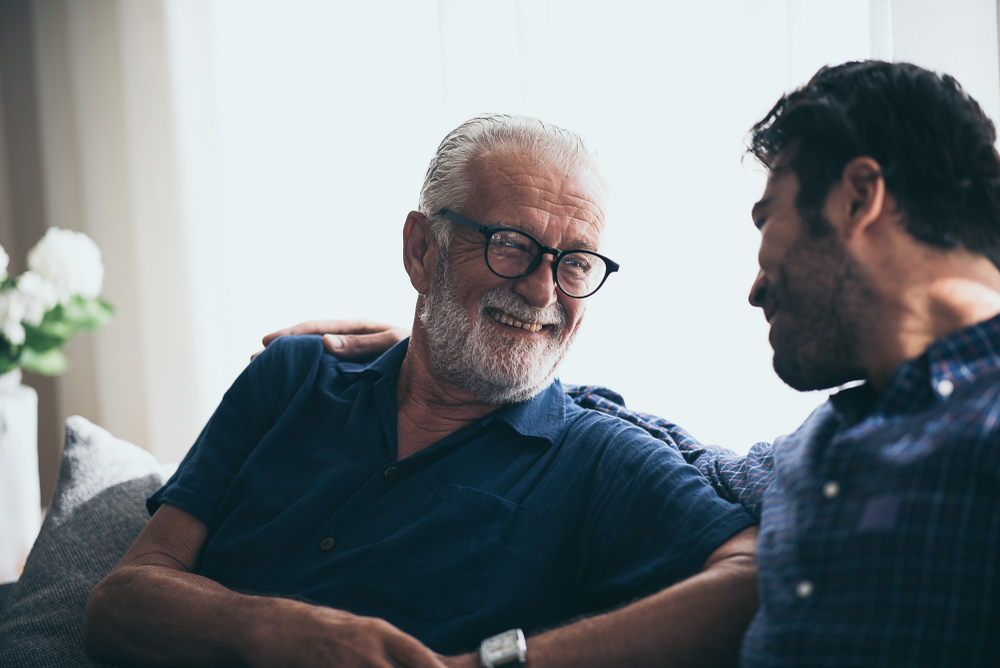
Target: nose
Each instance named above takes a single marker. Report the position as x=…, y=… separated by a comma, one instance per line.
x=758, y=291
x=539, y=287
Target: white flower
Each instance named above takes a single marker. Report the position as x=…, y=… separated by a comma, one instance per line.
x=4, y=261
x=11, y=314
x=38, y=296
x=70, y=262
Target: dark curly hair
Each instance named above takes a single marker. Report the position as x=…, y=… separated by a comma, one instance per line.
x=933, y=142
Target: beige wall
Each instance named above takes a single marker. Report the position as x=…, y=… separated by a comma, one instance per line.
x=87, y=131
x=22, y=200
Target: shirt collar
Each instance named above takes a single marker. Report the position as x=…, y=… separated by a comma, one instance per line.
x=945, y=367
x=541, y=416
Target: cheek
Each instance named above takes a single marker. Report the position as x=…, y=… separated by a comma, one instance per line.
x=575, y=308
x=772, y=251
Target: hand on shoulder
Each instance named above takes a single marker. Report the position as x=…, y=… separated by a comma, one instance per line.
x=346, y=338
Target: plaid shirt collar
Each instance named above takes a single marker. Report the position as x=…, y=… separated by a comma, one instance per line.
x=946, y=367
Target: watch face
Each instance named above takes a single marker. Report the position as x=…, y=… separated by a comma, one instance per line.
x=506, y=647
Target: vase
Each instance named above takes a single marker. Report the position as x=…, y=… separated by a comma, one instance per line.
x=20, y=508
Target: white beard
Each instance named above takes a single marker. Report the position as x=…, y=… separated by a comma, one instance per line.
x=495, y=368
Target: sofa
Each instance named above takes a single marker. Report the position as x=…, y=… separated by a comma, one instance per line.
x=97, y=511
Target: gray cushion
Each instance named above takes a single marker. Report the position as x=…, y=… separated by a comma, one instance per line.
x=97, y=511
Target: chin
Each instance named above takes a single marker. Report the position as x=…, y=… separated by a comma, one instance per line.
x=809, y=378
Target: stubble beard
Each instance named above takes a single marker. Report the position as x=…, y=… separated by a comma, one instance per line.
x=496, y=368
x=827, y=307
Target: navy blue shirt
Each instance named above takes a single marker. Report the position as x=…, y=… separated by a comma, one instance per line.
x=539, y=513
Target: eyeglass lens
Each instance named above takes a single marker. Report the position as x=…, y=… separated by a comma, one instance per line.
x=510, y=254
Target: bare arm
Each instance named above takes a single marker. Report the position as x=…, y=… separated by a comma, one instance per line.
x=347, y=338
x=697, y=622
x=153, y=610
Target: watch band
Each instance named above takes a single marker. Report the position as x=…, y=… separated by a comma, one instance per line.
x=504, y=650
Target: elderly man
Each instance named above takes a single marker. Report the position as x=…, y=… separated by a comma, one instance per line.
x=879, y=255
x=449, y=492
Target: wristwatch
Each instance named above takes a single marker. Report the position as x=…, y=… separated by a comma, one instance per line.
x=504, y=650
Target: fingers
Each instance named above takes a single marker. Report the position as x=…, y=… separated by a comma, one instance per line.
x=358, y=345
x=405, y=650
x=357, y=337
x=352, y=326
x=307, y=327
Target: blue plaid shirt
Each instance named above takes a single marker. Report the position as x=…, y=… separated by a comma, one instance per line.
x=880, y=515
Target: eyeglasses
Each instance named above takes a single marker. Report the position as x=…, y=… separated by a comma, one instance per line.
x=512, y=253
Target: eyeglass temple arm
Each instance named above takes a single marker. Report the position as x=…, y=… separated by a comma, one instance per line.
x=459, y=219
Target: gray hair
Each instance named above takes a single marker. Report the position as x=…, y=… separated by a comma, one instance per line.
x=448, y=184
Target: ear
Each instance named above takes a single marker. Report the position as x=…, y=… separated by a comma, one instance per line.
x=858, y=200
x=419, y=251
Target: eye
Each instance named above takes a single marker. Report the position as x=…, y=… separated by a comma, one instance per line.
x=577, y=262
x=510, y=242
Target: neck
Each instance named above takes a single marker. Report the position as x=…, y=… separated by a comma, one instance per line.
x=430, y=408
x=946, y=291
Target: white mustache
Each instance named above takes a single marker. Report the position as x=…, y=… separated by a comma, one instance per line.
x=505, y=299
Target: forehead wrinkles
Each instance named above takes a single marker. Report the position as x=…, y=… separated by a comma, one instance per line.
x=515, y=184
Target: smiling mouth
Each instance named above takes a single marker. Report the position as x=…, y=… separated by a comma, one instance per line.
x=511, y=321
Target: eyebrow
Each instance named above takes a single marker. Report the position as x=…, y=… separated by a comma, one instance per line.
x=582, y=245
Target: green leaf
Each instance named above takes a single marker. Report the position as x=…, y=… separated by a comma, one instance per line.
x=48, y=335
x=9, y=356
x=49, y=363
x=7, y=363
x=63, y=321
x=88, y=314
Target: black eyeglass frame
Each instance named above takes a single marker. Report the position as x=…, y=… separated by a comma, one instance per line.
x=489, y=230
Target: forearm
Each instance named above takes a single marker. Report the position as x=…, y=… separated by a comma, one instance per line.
x=697, y=622
x=153, y=615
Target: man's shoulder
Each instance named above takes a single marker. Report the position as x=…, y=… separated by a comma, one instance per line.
x=294, y=345
x=598, y=429
x=295, y=355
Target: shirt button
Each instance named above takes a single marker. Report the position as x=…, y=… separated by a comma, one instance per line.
x=327, y=544
x=804, y=589
x=391, y=473
x=831, y=488
x=945, y=388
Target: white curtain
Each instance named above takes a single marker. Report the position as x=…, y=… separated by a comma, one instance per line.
x=247, y=164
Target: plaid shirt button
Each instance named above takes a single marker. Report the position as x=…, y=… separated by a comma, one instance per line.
x=804, y=589
x=945, y=388
x=831, y=489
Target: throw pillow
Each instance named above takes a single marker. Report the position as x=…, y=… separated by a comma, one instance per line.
x=97, y=511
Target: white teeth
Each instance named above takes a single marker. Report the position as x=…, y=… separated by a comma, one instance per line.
x=500, y=316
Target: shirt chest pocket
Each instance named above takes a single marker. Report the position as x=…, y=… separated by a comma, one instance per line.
x=438, y=565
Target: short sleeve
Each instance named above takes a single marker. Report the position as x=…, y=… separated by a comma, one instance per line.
x=734, y=477
x=248, y=410
x=653, y=521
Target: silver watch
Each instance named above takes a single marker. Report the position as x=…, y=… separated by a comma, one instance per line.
x=504, y=649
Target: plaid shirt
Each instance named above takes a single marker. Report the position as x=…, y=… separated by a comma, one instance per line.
x=880, y=530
